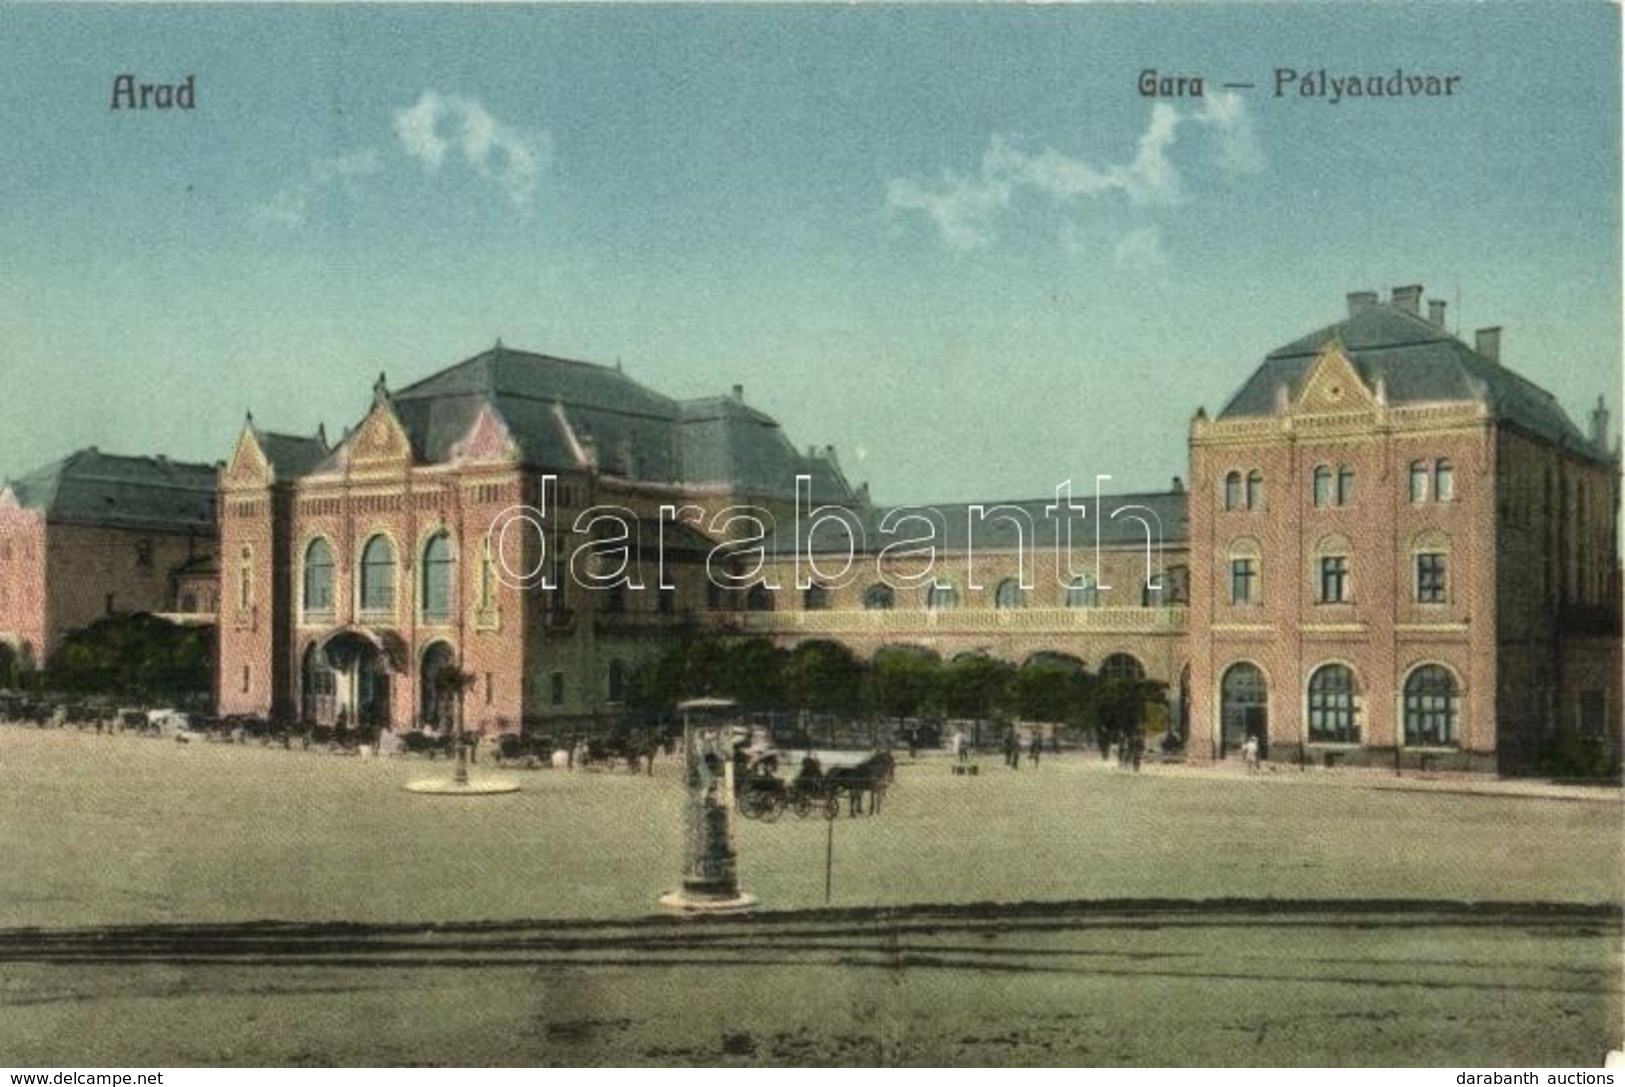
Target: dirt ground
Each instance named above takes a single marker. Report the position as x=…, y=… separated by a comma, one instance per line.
x=206, y=904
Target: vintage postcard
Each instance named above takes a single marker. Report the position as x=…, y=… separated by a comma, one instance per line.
x=829, y=535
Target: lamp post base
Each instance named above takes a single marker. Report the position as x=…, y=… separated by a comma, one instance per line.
x=480, y=787
x=690, y=903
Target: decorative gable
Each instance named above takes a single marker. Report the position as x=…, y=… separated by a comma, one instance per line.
x=487, y=440
x=379, y=440
x=1334, y=385
x=248, y=465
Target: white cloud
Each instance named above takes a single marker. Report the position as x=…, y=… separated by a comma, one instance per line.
x=288, y=207
x=345, y=168
x=966, y=210
x=437, y=124
x=1238, y=148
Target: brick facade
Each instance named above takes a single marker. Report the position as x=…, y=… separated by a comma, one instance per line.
x=1392, y=551
x=97, y=535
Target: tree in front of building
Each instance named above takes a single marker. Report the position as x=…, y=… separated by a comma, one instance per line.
x=140, y=657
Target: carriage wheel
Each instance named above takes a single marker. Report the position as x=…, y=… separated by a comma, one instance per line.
x=832, y=805
x=802, y=803
x=772, y=807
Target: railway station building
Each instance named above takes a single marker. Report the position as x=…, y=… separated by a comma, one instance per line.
x=1388, y=547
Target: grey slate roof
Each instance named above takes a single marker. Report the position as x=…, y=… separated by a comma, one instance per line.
x=957, y=530
x=1419, y=362
x=291, y=455
x=552, y=405
x=90, y=487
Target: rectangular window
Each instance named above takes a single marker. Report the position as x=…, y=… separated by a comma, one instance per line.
x=1243, y=580
x=489, y=687
x=1430, y=578
x=143, y=554
x=1334, y=576
x=558, y=688
x=245, y=679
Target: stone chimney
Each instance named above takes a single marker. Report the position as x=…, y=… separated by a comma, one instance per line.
x=1599, y=427
x=1360, y=301
x=1488, y=343
x=739, y=393
x=1178, y=486
x=1409, y=299
x=1436, y=312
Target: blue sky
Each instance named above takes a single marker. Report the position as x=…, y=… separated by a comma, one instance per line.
x=955, y=243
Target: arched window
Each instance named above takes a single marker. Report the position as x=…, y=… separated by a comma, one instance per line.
x=1323, y=486
x=940, y=596
x=1431, y=702
x=318, y=593
x=1082, y=593
x=1232, y=491
x=1123, y=666
x=1008, y=594
x=437, y=577
x=759, y=598
x=378, y=576
x=1331, y=706
x=1417, y=491
x=815, y=597
x=617, y=680
x=1345, y=485
x=878, y=597
x=1255, y=489
x=1444, y=481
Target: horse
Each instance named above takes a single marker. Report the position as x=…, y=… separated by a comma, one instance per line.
x=871, y=776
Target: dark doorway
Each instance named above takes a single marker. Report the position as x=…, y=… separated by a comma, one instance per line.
x=1243, y=709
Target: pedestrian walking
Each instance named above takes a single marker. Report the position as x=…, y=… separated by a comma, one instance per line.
x=958, y=745
x=1035, y=748
x=1249, y=753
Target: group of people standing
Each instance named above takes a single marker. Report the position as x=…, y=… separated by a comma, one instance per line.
x=1012, y=748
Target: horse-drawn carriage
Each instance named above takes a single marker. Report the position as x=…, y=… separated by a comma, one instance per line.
x=762, y=794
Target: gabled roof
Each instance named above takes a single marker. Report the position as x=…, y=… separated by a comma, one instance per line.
x=1417, y=362
x=291, y=455
x=95, y=488
x=559, y=411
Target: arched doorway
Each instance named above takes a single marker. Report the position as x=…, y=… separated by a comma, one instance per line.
x=364, y=688
x=437, y=699
x=1243, y=709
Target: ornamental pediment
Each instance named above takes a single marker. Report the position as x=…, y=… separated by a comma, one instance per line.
x=248, y=464
x=1333, y=386
x=379, y=440
x=488, y=440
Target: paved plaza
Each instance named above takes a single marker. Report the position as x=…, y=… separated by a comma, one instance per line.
x=204, y=903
